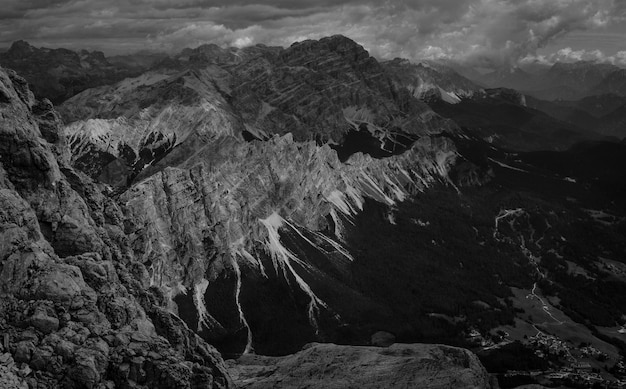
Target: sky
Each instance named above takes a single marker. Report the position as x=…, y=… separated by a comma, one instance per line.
x=481, y=33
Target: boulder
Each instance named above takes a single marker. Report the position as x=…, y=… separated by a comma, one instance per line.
x=24, y=351
x=383, y=339
x=43, y=322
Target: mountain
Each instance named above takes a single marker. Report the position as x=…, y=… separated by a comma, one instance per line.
x=329, y=91
x=596, y=105
x=603, y=114
x=513, y=78
x=266, y=231
x=267, y=198
x=137, y=62
x=223, y=121
x=614, y=123
x=130, y=126
x=429, y=80
x=581, y=76
x=563, y=81
x=504, y=118
x=58, y=74
x=77, y=309
x=614, y=83
x=80, y=310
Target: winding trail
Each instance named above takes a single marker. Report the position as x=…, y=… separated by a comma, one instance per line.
x=544, y=306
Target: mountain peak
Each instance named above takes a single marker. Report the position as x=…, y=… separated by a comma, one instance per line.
x=334, y=43
x=582, y=66
x=20, y=48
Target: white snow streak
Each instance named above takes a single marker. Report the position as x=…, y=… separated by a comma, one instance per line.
x=249, y=349
x=198, y=300
x=504, y=165
x=283, y=258
x=321, y=236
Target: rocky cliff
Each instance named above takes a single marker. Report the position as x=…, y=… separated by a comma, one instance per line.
x=429, y=80
x=227, y=214
x=76, y=310
x=242, y=240
x=122, y=132
x=242, y=171
x=330, y=91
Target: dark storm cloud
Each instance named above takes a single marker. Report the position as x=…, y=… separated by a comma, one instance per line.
x=483, y=32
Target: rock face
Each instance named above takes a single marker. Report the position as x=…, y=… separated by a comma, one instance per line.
x=240, y=174
x=74, y=311
x=333, y=366
x=429, y=80
x=138, y=124
x=58, y=74
x=227, y=214
x=322, y=90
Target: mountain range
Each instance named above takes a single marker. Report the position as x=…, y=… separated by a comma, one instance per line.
x=58, y=74
x=263, y=198
x=561, y=81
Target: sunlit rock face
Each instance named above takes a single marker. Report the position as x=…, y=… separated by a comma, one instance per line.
x=118, y=132
x=428, y=80
x=237, y=211
x=242, y=170
x=74, y=311
x=316, y=90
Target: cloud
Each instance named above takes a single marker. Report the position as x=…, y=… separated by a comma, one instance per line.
x=567, y=54
x=485, y=33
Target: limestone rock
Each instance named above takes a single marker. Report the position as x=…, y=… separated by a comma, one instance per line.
x=60, y=73
x=429, y=80
x=315, y=90
x=228, y=200
x=333, y=366
x=9, y=379
x=64, y=285
x=43, y=322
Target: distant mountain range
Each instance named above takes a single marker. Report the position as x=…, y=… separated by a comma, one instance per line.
x=58, y=74
x=565, y=101
x=562, y=81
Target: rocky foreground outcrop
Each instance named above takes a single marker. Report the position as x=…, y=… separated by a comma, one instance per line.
x=332, y=366
x=75, y=307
